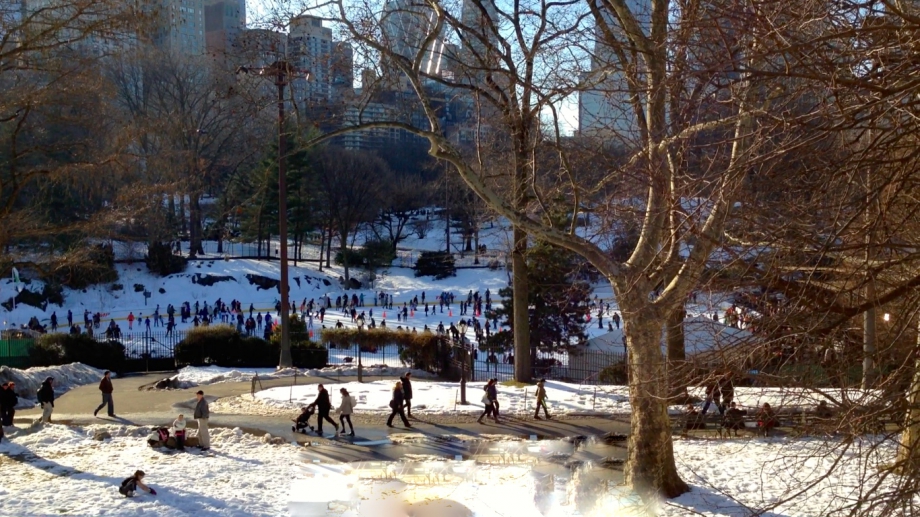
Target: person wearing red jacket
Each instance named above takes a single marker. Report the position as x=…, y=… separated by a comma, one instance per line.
x=105, y=386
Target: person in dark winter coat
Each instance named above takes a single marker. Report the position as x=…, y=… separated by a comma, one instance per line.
x=406, y=381
x=105, y=386
x=8, y=402
x=131, y=484
x=396, y=405
x=734, y=419
x=323, y=406
x=46, y=399
x=202, y=415
x=489, y=398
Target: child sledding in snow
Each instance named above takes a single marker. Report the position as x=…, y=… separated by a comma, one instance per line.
x=302, y=422
x=131, y=484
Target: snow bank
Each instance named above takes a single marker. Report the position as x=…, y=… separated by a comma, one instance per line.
x=443, y=397
x=192, y=376
x=370, y=371
x=66, y=378
x=755, y=477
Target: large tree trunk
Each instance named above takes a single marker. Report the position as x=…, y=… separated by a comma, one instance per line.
x=908, y=460
x=328, y=247
x=322, y=243
x=678, y=373
x=182, y=221
x=523, y=372
x=650, y=467
x=343, y=247
x=194, y=225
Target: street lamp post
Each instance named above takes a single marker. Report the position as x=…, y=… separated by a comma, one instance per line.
x=282, y=72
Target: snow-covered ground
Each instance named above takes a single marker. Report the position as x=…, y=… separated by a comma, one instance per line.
x=66, y=378
x=58, y=470
x=563, y=398
x=765, y=476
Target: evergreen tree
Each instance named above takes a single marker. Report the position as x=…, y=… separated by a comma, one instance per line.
x=558, y=294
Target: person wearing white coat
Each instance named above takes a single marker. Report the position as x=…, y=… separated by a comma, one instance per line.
x=179, y=432
x=346, y=408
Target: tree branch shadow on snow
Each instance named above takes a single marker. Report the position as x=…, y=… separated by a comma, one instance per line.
x=703, y=501
x=21, y=454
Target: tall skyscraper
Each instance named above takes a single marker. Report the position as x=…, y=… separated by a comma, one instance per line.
x=604, y=110
x=406, y=25
x=310, y=48
x=179, y=25
x=224, y=20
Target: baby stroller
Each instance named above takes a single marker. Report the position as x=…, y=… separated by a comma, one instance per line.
x=302, y=422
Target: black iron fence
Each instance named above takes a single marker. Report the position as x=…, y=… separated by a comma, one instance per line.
x=155, y=350
x=576, y=367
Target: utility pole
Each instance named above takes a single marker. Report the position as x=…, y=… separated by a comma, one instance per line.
x=282, y=72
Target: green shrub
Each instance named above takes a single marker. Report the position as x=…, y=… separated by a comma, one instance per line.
x=222, y=345
x=162, y=261
x=438, y=264
x=616, y=373
x=423, y=350
x=354, y=257
x=55, y=349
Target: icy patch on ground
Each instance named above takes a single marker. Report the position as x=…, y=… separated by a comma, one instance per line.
x=66, y=378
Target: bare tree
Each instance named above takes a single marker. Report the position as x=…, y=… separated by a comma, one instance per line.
x=348, y=185
x=517, y=62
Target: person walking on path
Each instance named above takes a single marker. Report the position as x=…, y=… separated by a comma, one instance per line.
x=202, y=415
x=179, y=432
x=407, y=392
x=396, y=405
x=346, y=408
x=323, y=406
x=8, y=402
x=131, y=484
x=46, y=399
x=541, y=400
x=105, y=386
x=490, y=401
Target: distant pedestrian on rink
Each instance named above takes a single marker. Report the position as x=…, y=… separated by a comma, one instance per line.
x=105, y=386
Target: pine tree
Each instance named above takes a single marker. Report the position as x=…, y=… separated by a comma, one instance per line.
x=558, y=294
